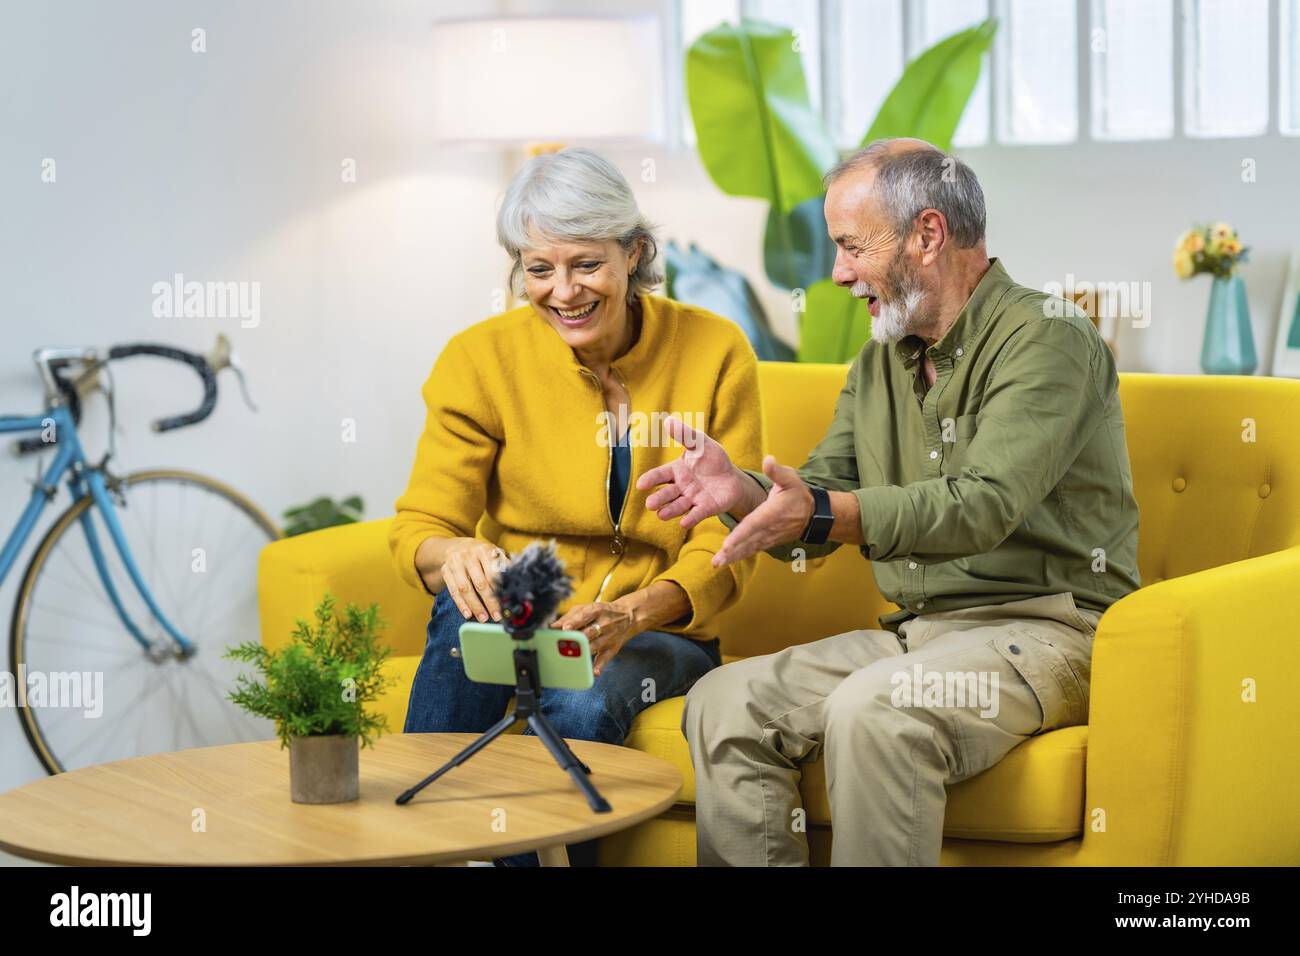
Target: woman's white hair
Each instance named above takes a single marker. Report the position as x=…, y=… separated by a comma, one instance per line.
x=575, y=195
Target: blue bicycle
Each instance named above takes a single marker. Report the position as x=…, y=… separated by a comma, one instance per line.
x=118, y=653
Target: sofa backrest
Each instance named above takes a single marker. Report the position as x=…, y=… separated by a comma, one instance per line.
x=1216, y=473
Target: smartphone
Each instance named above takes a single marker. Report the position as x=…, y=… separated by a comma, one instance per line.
x=488, y=653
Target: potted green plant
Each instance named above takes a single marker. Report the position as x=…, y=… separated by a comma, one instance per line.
x=315, y=688
x=324, y=512
x=758, y=136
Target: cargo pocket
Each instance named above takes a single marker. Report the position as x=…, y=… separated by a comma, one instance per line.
x=1049, y=675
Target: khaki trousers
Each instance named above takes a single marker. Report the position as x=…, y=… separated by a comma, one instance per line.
x=896, y=719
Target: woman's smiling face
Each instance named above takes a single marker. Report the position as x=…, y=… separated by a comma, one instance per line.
x=580, y=288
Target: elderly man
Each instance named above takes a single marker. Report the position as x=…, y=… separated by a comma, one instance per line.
x=977, y=458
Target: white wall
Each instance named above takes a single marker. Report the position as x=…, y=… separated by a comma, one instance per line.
x=226, y=165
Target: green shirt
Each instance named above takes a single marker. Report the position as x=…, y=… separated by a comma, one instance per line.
x=1007, y=479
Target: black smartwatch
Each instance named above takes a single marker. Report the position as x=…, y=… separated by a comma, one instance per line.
x=819, y=525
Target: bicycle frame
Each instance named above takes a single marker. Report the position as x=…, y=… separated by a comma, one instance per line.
x=83, y=479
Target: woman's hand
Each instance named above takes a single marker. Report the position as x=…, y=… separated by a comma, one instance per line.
x=608, y=626
x=467, y=570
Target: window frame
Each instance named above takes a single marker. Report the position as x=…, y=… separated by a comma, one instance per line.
x=830, y=83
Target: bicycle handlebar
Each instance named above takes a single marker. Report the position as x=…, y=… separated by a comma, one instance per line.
x=55, y=363
x=197, y=362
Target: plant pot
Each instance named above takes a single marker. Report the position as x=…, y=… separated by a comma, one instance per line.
x=1229, y=346
x=324, y=769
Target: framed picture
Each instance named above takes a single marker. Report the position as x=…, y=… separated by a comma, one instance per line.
x=1286, y=352
x=1102, y=310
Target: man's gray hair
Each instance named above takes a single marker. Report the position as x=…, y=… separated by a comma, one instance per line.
x=575, y=195
x=918, y=176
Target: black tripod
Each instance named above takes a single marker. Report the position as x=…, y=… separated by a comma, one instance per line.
x=528, y=693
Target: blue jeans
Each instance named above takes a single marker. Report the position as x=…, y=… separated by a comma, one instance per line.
x=444, y=700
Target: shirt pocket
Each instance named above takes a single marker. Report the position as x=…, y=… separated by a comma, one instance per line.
x=1045, y=667
x=961, y=433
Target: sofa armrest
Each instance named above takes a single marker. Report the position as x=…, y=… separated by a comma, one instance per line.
x=1184, y=767
x=353, y=563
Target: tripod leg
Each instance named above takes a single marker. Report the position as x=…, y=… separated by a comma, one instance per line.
x=495, y=731
x=568, y=761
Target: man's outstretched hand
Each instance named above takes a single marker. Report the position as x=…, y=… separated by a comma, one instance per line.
x=703, y=482
x=700, y=484
x=778, y=520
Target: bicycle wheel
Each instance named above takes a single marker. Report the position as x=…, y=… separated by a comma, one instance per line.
x=105, y=697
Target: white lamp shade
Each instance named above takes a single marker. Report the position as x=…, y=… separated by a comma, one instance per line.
x=512, y=81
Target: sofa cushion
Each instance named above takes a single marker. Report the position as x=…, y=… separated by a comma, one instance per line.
x=1034, y=795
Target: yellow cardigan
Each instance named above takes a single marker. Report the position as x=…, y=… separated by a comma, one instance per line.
x=515, y=449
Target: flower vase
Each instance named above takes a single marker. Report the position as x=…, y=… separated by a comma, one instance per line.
x=1229, y=346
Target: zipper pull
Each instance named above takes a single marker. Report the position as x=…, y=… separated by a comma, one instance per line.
x=616, y=545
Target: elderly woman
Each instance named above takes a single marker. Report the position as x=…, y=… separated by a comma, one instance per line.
x=537, y=418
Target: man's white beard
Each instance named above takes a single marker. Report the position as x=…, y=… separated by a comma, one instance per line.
x=898, y=320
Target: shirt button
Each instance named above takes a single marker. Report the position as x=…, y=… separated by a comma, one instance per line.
x=911, y=565
x=1013, y=648
x=959, y=353
x=934, y=454
x=919, y=605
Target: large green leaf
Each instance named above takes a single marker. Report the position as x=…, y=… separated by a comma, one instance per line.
x=796, y=248
x=834, y=326
x=755, y=128
x=930, y=96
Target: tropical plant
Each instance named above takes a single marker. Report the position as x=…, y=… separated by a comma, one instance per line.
x=324, y=512
x=758, y=136
x=318, y=684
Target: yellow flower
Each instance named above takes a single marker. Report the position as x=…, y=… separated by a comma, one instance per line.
x=1183, y=264
x=1194, y=242
x=1230, y=247
x=1222, y=230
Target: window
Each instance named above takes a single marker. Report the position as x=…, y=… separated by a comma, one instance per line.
x=701, y=16
x=694, y=18
x=929, y=21
x=854, y=51
x=1225, y=57
x=865, y=56
x=1037, y=71
x=802, y=17
x=1132, y=66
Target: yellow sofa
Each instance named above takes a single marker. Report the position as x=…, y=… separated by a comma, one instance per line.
x=1189, y=756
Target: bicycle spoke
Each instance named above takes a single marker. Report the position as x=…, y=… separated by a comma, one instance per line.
x=97, y=590
x=229, y=555
x=215, y=688
x=154, y=560
x=182, y=705
x=210, y=627
x=64, y=612
x=65, y=642
x=53, y=724
x=153, y=523
x=66, y=758
x=211, y=585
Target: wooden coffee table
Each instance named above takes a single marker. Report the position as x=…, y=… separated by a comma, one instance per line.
x=510, y=798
